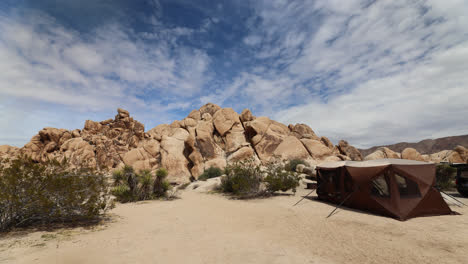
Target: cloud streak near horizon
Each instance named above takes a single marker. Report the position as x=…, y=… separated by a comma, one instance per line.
x=370, y=72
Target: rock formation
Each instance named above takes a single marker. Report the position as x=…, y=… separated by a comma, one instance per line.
x=457, y=155
x=209, y=136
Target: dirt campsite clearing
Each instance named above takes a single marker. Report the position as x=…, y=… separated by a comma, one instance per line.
x=210, y=228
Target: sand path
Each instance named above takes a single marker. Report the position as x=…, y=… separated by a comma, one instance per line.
x=209, y=228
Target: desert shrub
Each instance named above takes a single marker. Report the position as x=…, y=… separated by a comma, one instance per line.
x=291, y=165
x=161, y=186
x=243, y=178
x=50, y=192
x=212, y=172
x=130, y=186
x=445, y=176
x=278, y=179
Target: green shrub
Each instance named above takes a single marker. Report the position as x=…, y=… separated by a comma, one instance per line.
x=212, y=172
x=131, y=186
x=122, y=193
x=291, y=165
x=278, y=179
x=161, y=186
x=49, y=192
x=445, y=176
x=243, y=178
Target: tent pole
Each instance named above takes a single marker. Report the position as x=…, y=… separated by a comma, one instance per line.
x=347, y=197
x=305, y=196
x=452, y=197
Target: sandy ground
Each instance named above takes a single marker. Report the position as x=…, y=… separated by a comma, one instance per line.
x=210, y=228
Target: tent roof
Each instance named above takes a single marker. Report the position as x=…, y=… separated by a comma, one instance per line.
x=371, y=163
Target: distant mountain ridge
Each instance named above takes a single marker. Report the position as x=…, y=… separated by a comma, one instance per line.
x=427, y=146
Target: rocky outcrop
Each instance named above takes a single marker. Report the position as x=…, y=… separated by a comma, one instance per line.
x=8, y=151
x=348, y=150
x=208, y=137
x=382, y=153
x=411, y=154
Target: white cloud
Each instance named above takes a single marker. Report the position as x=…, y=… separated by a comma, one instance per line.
x=44, y=63
x=395, y=70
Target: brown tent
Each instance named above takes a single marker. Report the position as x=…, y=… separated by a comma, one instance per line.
x=397, y=188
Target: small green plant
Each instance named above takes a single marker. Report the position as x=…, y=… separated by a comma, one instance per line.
x=212, y=172
x=130, y=186
x=445, y=176
x=278, y=179
x=292, y=164
x=243, y=178
x=161, y=186
x=49, y=192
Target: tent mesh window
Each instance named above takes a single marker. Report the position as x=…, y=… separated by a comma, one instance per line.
x=380, y=186
x=407, y=187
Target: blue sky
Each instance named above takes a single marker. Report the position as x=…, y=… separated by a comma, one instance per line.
x=370, y=72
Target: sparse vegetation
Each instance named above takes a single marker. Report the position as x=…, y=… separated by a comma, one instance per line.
x=291, y=165
x=278, y=179
x=212, y=172
x=50, y=192
x=445, y=176
x=131, y=186
x=244, y=179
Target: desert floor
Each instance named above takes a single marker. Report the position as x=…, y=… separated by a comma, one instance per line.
x=210, y=228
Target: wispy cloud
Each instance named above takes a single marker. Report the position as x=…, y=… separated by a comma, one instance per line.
x=371, y=72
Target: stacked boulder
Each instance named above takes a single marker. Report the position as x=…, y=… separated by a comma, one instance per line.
x=208, y=137
x=457, y=155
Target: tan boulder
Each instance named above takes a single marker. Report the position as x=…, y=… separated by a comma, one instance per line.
x=92, y=126
x=235, y=138
x=139, y=159
x=79, y=153
x=122, y=113
x=382, y=153
x=7, y=151
x=209, y=108
x=225, y=119
x=316, y=148
x=217, y=163
x=241, y=154
x=411, y=154
x=246, y=115
x=159, y=131
x=291, y=148
x=195, y=115
x=198, y=164
x=303, y=131
x=173, y=158
x=266, y=135
x=327, y=142
x=349, y=150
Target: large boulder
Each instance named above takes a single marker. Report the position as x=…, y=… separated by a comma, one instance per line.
x=266, y=135
x=173, y=157
x=225, y=119
x=209, y=108
x=79, y=153
x=246, y=115
x=303, y=131
x=316, y=148
x=459, y=155
x=7, y=151
x=411, y=154
x=348, y=150
x=291, y=148
x=382, y=153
